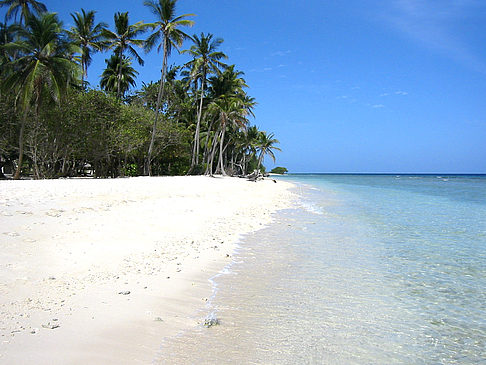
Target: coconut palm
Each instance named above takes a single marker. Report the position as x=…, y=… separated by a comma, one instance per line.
x=266, y=145
x=22, y=6
x=230, y=82
x=249, y=146
x=88, y=36
x=123, y=39
x=7, y=35
x=205, y=60
x=228, y=110
x=43, y=69
x=226, y=86
x=110, y=78
x=168, y=36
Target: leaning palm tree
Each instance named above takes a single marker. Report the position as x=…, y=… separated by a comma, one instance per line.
x=110, y=80
x=123, y=39
x=266, y=145
x=22, y=6
x=88, y=36
x=205, y=60
x=44, y=69
x=168, y=35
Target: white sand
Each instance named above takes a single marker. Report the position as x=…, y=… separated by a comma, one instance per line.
x=68, y=248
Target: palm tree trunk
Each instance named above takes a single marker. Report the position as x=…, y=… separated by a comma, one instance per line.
x=118, y=87
x=195, y=151
x=243, y=165
x=221, y=164
x=212, y=154
x=148, y=162
x=206, y=147
x=84, y=72
x=260, y=158
x=21, y=146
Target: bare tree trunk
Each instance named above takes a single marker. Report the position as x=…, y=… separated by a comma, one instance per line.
x=148, y=161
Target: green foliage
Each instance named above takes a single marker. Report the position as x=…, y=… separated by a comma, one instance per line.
x=118, y=75
x=279, y=170
x=195, y=119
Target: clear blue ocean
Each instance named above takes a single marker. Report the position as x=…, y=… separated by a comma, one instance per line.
x=369, y=269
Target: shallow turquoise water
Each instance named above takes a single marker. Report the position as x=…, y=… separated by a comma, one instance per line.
x=369, y=270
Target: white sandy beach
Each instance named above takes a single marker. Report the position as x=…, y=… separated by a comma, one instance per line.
x=101, y=271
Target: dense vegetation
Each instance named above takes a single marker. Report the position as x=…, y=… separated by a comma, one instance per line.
x=194, y=120
x=279, y=170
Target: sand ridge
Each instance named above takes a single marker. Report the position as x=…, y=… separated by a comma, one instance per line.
x=101, y=270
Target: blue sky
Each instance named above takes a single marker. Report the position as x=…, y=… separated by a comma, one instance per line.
x=354, y=86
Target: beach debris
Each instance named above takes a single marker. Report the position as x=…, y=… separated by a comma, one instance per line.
x=125, y=292
x=34, y=331
x=158, y=319
x=210, y=322
x=50, y=325
x=54, y=213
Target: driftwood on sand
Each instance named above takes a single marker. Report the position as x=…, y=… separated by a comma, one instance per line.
x=256, y=175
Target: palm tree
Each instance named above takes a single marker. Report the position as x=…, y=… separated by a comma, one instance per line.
x=249, y=146
x=266, y=145
x=7, y=35
x=123, y=40
x=168, y=35
x=228, y=110
x=23, y=6
x=88, y=36
x=205, y=60
x=44, y=69
x=110, y=78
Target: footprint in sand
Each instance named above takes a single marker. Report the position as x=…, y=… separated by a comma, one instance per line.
x=6, y=214
x=11, y=234
x=30, y=240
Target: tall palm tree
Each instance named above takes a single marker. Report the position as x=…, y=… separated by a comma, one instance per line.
x=123, y=39
x=168, y=35
x=225, y=86
x=88, y=36
x=111, y=81
x=250, y=145
x=228, y=110
x=266, y=145
x=44, y=68
x=22, y=6
x=230, y=82
x=205, y=60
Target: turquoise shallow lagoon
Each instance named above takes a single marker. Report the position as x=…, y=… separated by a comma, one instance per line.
x=368, y=269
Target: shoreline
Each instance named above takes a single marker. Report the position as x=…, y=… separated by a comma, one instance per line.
x=67, y=298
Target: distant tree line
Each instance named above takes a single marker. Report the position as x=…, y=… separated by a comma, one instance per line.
x=194, y=120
